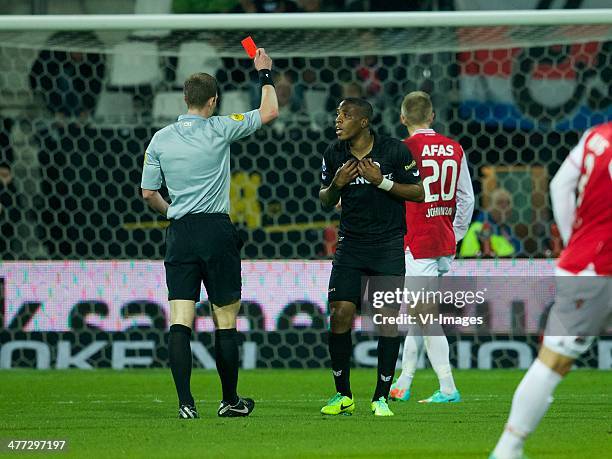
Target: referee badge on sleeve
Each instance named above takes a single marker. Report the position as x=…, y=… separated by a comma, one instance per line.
x=237, y=116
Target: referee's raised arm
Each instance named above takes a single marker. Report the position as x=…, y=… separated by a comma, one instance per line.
x=268, y=109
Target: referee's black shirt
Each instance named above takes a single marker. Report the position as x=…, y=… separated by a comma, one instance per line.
x=371, y=215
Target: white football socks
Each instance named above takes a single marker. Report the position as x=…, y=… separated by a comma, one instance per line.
x=438, y=353
x=410, y=357
x=531, y=400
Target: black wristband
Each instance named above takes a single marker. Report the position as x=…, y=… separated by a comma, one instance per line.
x=265, y=77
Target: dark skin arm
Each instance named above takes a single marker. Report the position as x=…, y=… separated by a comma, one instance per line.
x=406, y=191
x=330, y=195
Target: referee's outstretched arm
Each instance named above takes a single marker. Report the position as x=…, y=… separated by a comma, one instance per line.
x=201, y=102
x=268, y=109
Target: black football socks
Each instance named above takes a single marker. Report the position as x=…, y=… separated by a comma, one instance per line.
x=179, y=353
x=227, y=358
x=340, y=350
x=388, y=350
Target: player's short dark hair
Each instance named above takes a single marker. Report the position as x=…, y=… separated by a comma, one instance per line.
x=364, y=107
x=5, y=165
x=198, y=88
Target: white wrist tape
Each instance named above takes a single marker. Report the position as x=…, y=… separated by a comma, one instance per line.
x=386, y=184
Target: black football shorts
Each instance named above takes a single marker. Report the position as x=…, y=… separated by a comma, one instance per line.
x=203, y=248
x=353, y=261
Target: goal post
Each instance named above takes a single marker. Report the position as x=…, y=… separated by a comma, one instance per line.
x=291, y=21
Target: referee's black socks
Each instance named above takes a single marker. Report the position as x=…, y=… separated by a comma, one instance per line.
x=340, y=350
x=388, y=350
x=179, y=353
x=227, y=358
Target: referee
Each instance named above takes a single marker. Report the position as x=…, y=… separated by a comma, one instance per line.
x=202, y=245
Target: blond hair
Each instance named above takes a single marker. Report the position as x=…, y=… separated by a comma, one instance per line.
x=417, y=108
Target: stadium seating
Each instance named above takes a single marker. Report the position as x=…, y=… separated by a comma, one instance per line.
x=135, y=64
x=196, y=57
x=234, y=102
x=315, y=103
x=152, y=7
x=114, y=107
x=167, y=106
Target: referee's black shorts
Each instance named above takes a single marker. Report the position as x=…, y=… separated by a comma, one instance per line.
x=355, y=260
x=203, y=248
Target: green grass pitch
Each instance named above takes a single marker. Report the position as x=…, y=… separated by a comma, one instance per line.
x=132, y=413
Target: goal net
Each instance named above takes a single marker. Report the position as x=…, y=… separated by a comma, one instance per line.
x=81, y=98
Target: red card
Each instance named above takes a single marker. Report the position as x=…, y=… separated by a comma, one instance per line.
x=249, y=46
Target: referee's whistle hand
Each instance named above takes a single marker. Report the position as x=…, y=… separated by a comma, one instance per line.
x=262, y=60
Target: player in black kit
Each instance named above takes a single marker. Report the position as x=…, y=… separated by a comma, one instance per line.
x=373, y=175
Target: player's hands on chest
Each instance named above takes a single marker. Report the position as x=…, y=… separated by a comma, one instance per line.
x=346, y=173
x=364, y=172
x=370, y=171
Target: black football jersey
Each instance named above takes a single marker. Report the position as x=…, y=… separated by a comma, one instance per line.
x=370, y=214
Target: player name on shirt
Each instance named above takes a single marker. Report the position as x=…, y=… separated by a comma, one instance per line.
x=437, y=211
x=438, y=150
